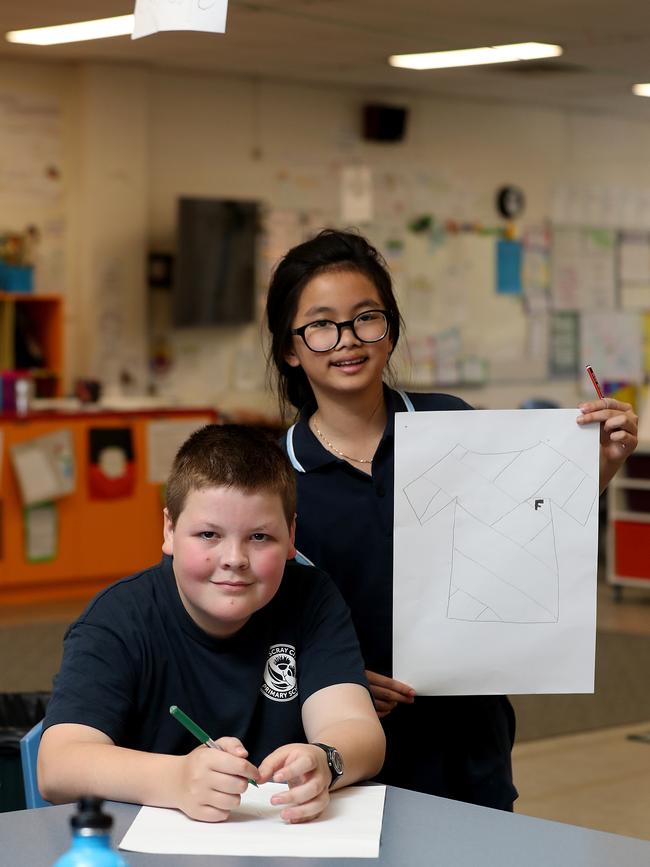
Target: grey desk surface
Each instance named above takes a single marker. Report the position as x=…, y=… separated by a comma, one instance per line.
x=418, y=830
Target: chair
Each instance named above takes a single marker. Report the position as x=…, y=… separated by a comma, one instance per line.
x=29, y=745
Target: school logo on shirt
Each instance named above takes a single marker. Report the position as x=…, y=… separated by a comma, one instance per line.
x=280, y=683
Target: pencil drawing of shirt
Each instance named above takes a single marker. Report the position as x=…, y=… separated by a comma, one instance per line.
x=504, y=563
x=495, y=552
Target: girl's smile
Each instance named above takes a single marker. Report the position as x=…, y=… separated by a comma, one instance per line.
x=351, y=365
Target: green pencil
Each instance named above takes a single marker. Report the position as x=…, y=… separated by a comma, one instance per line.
x=197, y=731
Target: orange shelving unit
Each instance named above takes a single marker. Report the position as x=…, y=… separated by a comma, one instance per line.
x=98, y=540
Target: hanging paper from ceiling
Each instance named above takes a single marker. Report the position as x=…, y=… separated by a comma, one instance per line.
x=154, y=16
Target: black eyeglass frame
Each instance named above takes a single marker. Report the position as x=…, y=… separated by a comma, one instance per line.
x=348, y=323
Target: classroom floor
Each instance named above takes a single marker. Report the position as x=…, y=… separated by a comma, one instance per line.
x=598, y=779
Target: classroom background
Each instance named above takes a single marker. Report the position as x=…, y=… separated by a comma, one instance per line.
x=295, y=116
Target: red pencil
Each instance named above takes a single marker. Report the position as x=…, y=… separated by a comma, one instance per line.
x=596, y=384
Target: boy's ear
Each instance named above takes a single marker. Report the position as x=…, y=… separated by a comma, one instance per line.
x=168, y=534
x=292, y=539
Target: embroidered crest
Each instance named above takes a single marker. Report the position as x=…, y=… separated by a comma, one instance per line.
x=280, y=682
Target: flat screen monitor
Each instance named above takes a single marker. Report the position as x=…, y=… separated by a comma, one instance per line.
x=214, y=280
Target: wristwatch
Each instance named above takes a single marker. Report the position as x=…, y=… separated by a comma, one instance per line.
x=334, y=761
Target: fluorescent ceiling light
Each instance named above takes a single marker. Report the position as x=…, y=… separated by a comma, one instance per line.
x=641, y=89
x=476, y=56
x=80, y=31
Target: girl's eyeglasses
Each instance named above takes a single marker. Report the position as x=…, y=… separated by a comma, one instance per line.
x=322, y=335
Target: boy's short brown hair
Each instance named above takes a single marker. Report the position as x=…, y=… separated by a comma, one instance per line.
x=230, y=455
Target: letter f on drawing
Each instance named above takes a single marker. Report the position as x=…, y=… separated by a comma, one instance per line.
x=538, y=504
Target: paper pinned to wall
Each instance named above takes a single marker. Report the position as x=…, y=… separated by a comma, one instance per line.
x=583, y=268
x=508, y=267
x=634, y=270
x=612, y=343
x=153, y=16
x=349, y=828
x=164, y=438
x=356, y=195
x=44, y=467
x=41, y=526
x=496, y=531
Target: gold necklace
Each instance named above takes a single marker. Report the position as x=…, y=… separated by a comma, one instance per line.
x=333, y=448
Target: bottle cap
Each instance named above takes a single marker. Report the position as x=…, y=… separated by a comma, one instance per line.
x=89, y=815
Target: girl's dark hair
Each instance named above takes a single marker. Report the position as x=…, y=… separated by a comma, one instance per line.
x=329, y=250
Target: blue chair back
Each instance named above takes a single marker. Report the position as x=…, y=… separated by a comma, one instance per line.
x=29, y=745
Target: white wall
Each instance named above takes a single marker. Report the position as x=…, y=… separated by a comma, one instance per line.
x=136, y=139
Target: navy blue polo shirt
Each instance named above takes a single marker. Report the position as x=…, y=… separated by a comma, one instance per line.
x=345, y=523
x=345, y=526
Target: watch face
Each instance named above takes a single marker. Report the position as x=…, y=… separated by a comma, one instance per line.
x=337, y=762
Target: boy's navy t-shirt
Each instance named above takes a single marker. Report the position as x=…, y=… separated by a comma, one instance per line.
x=135, y=651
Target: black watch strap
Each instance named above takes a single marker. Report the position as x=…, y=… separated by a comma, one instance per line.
x=334, y=761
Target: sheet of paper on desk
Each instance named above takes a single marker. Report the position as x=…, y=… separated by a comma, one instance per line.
x=496, y=543
x=152, y=16
x=350, y=828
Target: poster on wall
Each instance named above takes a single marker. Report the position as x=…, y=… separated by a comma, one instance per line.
x=634, y=270
x=164, y=438
x=356, y=195
x=612, y=343
x=111, y=473
x=583, y=274
x=44, y=467
x=41, y=528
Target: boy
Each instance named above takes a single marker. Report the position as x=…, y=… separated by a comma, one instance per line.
x=259, y=652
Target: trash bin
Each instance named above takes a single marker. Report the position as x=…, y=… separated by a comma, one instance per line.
x=19, y=711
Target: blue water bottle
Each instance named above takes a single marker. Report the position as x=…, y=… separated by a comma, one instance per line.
x=91, y=838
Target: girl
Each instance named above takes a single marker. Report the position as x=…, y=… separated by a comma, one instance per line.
x=334, y=323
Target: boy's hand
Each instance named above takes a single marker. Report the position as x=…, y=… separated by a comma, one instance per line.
x=210, y=782
x=387, y=693
x=304, y=767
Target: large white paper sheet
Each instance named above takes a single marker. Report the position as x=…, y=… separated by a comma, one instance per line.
x=349, y=828
x=496, y=532
x=152, y=16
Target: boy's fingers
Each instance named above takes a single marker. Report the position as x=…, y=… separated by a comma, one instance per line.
x=308, y=810
x=301, y=764
x=273, y=762
x=233, y=746
x=225, y=763
x=300, y=794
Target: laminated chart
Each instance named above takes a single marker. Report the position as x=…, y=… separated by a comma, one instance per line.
x=495, y=551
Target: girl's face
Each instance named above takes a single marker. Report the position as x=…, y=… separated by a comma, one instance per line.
x=352, y=366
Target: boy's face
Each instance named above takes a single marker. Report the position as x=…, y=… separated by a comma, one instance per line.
x=229, y=549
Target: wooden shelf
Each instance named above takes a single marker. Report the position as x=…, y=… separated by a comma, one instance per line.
x=42, y=317
x=628, y=534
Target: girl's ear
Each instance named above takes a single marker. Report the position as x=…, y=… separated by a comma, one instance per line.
x=291, y=358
